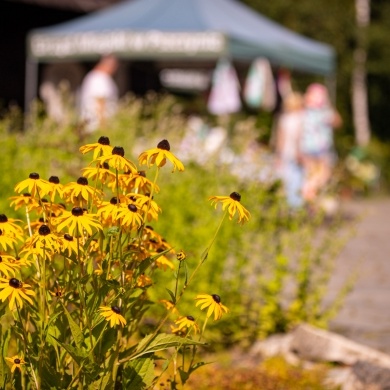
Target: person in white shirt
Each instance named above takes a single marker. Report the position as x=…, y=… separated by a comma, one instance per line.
x=99, y=94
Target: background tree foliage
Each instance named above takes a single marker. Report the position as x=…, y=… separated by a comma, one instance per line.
x=333, y=22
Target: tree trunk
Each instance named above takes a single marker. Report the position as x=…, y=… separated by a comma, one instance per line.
x=361, y=119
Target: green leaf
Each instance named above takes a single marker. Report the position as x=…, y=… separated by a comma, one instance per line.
x=3, y=367
x=139, y=374
x=172, y=295
x=74, y=328
x=78, y=354
x=160, y=342
x=105, y=382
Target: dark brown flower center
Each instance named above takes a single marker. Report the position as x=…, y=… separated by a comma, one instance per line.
x=1, y=259
x=44, y=230
x=190, y=318
x=114, y=200
x=142, y=173
x=3, y=218
x=106, y=166
x=68, y=237
x=17, y=361
x=116, y=309
x=118, y=150
x=216, y=298
x=164, y=144
x=77, y=211
x=26, y=194
x=15, y=283
x=34, y=176
x=132, y=208
x=54, y=180
x=104, y=140
x=82, y=181
x=235, y=196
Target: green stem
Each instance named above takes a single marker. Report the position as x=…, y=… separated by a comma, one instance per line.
x=26, y=349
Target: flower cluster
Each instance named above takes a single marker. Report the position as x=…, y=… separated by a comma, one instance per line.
x=87, y=257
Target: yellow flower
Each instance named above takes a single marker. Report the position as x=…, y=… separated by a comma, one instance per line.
x=112, y=314
x=8, y=226
x=15, y=290
x=22, y=200
x=233, y=204
x=142, y=201
x=117, y=160
x=130, y=217
x=16, y=362
x=181, y=255
x=43, y=241
x=159, y=157
x=7, y=240
x=187, y=322
x=55, y=187
x=79, y=192
x=101, y=172
x=69, y=244
x=34, y=185
x=213, y=302
x=108, y=211
x=100, y=148
x=76, y=221
x=136, y=182
x=8, y=267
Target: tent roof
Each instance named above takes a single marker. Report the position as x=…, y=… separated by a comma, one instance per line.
x=181, y=29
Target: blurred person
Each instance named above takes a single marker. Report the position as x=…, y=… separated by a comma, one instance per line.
x=288, y=135
x=99, y=94
x=316, y=144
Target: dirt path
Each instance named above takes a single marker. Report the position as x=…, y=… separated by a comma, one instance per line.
x=365, y=316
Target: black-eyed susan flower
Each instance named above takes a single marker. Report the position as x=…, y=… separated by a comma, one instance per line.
x=146, y=205
x=108, y=211
x=80, y=192
x=43, y=241
x=181, y=255
x=137, y=183
x=76, y=221
x=130, y=217
x=7, y=240
x=8, y=225
x=112, y=314
x=33, y=185
x=23, y=200
x=68, y=245
x=16, y=362
x=8, y=266
x=15, y=290
x=100, y=148
x=187, y=322
x=102, y=173
x=232, y=203
x=56, y=187
x=213, y=302
x=159, y=157
x=117, y=160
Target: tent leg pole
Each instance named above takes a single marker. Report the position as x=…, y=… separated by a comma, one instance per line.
x=31, y=85
x=331, y=83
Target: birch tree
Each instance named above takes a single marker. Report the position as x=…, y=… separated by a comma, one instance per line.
x=360, y=111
